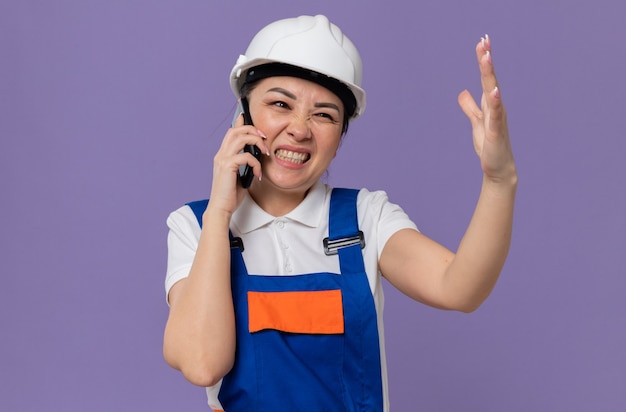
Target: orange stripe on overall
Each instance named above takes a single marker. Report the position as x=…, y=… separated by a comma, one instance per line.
x=314, y=312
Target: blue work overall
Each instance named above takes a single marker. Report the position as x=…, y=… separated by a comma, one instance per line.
x=306, y=342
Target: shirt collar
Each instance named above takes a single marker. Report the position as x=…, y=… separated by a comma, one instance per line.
x=249, y=216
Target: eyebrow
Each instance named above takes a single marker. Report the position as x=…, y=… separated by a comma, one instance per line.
x=292, y=96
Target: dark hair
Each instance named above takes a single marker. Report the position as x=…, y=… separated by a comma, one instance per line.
x=342, y=91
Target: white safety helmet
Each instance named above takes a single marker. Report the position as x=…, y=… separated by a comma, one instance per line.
x=309, y=47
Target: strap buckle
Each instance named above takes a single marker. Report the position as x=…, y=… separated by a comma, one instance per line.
x=331, y=247
x=236, y=242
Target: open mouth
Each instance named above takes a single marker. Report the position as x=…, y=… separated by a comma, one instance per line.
x=293, y=157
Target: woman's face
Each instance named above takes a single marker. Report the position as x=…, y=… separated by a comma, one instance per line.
x=303, y=124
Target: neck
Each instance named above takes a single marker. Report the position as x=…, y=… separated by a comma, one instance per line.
x=276, y=202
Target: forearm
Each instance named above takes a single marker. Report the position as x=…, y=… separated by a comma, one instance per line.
x=475, y=269
x=200, y=331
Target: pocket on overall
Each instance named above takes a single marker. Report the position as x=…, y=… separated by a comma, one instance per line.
x=313, y=312
x=299, y=347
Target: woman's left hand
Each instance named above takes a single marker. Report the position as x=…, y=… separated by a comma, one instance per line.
x=489, y=122
x=427, y=271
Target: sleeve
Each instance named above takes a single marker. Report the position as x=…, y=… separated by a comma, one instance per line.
x=182, y=242
x=383, y=217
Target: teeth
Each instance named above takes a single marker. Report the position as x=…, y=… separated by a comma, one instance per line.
x=293, y=157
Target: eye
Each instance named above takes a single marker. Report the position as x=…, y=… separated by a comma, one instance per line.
x=281, y=104
x=326, y=116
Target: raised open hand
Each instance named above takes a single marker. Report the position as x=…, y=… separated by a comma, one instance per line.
x=489, y=121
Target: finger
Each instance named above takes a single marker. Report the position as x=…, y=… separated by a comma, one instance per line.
x=264, y=148
x=497, y=112
x=485, y=63
x=469, y=107
x=253, y=136
x=492, y=106
x=246, y=158
x=475, y=116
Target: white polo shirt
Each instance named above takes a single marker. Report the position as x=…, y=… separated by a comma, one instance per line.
x=292, y=244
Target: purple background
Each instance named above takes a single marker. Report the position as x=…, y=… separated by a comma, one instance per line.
x=111, y=111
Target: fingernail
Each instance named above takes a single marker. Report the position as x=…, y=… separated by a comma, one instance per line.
x=488, y=54
x=261, y=134
x=496, y=92
x=484, y=41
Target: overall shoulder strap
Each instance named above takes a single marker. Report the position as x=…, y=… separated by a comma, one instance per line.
x=344, y=237
x=198, y=207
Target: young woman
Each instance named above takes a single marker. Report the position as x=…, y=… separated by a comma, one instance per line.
x=275, y=290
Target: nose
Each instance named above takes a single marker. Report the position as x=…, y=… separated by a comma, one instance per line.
x=299, y=128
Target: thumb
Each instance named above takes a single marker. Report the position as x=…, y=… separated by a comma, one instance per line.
x=469, y=107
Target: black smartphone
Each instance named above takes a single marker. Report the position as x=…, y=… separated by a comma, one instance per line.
x=245, y=172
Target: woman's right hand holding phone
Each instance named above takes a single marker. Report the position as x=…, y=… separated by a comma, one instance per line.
x=226, y=190
x=201, y=305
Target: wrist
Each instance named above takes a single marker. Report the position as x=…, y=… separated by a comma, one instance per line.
x=503, y=184
x=216, y=217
